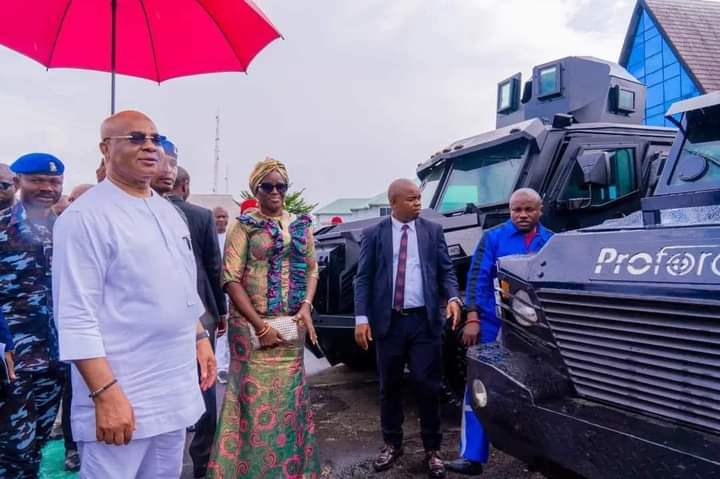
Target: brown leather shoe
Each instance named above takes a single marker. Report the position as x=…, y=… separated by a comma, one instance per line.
x=436, y=468
x=387, y=457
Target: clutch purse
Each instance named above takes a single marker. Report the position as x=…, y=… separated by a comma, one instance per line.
x=287, y=326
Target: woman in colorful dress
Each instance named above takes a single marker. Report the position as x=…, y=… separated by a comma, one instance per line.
x=266, y=427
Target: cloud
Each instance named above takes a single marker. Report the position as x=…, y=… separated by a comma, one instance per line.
x=357, y=94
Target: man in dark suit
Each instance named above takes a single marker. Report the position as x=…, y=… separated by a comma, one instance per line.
x=201, y=224
x=403, y=272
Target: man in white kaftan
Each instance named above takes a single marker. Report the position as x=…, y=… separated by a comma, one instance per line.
x=127, y=310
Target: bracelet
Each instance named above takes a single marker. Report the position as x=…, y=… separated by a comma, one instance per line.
x=264, y=331
x=456, y=299
x=309, y=303
x=203, y=335
x=98, y=392
x=471, y=321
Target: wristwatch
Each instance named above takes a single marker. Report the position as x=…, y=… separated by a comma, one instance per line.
x=456, y=299
x=203, y=335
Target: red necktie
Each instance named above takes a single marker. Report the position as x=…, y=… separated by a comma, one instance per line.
x=399, y=300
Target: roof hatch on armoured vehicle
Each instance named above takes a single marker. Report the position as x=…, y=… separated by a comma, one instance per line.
x=589, y=89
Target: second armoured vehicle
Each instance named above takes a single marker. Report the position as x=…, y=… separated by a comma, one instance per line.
x=578, y=117
x=609, y=359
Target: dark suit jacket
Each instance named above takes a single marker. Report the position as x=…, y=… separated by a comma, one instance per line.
x=201, y=223
x=373, y=283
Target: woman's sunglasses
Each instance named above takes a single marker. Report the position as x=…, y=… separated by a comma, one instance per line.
x=268, y=188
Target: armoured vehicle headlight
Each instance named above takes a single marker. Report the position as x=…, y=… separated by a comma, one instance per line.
x=522, y=309
x=479, y=393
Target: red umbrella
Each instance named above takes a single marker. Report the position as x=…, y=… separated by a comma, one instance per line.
x=153, y=39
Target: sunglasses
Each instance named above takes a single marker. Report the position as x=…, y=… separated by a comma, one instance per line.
x=4, y=185
x=268, y=188
x=138, y=138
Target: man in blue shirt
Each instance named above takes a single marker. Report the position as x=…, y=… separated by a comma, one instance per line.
x=31, y=404
x=521, y=234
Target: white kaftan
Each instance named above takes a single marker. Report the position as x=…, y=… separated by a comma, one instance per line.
x=124, y=287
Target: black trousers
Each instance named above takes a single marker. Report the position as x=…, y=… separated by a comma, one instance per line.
x=70, y=444
x=202, y=441
x=410, y=341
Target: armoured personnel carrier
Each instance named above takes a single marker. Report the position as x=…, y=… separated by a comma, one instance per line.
x=575, y=120
x=609, y=358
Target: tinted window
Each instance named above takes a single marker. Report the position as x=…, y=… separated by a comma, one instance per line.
x=430, y=186
x=483, y=178
x=699, y=161
x=549, y=80
x=622, y=179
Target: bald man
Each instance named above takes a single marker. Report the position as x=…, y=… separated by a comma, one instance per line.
x=404, y=274
x=521, y=234
x=78, y=191
x=124, y=285
x=7, y=187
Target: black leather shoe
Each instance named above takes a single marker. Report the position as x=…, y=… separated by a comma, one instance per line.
x=436, y=468
x=72, y=460
x=387, y=457
x=463, y=466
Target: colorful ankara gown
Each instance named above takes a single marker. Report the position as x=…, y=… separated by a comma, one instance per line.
x=266, y=427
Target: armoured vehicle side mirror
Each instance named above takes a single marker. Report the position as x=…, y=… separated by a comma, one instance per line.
x=595, y=167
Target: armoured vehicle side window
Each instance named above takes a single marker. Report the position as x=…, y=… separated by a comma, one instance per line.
x=621, y=181
x=484, y=177
x=430, y=185
x=700, y=157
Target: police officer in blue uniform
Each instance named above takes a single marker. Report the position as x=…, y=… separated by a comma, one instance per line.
x=28, y=410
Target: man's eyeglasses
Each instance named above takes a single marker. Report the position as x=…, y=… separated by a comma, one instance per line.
x=138, y=138
x=4, y=185
x=268, y=188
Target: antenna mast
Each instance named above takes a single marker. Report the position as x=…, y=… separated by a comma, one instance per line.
x=216, y=166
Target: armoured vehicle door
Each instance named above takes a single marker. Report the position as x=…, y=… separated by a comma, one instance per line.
x=600, y=177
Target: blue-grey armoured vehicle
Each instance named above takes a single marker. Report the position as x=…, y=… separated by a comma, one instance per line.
x=608, y=362
x=576, y=119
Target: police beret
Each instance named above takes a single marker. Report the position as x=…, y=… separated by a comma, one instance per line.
x=169, y=148
x=38, y=164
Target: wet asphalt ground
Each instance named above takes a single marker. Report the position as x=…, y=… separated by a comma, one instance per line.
x=347, y=418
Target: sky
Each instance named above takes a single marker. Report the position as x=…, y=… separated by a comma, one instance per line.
x=355, y=95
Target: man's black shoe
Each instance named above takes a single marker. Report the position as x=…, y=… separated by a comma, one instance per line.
x=72, y=460
x=436, y=468
x=387, y=457
x=463, y=466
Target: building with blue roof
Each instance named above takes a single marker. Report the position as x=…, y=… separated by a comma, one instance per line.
x=673, y=47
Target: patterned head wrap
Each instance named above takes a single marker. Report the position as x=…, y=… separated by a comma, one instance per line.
x=261, y=170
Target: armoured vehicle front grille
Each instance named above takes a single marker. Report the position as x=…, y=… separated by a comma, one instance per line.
x=652, y=355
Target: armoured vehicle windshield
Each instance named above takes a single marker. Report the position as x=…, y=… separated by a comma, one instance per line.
x=483, y=178
x=699, y=161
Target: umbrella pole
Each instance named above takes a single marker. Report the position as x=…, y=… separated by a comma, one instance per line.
x=112, y=55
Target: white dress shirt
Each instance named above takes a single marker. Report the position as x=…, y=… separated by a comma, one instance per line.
x=414, y=292
x=124, y=287
x=221, y=243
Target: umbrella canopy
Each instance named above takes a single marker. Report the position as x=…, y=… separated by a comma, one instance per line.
x=153, y=39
